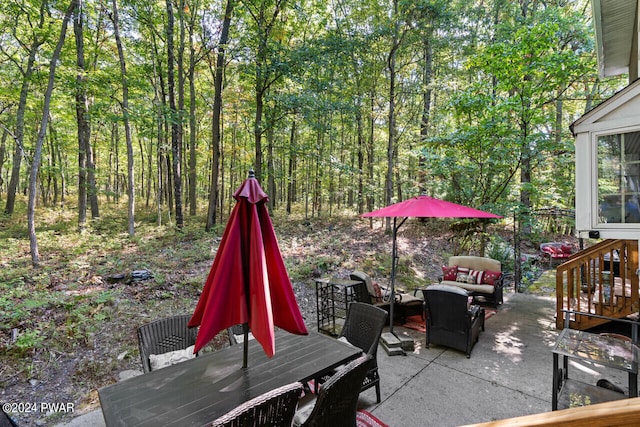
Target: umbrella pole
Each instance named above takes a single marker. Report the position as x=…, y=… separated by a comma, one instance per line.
x=394, y=261
x=245, y=343
x=394, y=254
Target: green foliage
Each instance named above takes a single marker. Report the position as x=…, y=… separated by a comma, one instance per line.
x=500, y=250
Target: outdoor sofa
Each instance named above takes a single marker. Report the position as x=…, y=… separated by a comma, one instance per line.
x=481, y=277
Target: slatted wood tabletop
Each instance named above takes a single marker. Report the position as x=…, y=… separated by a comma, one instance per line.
x=197, y=391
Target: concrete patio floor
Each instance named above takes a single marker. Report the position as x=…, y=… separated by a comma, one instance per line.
x=508, y=375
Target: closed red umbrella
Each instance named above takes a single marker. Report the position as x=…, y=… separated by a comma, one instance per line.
x=248, y=283
x=422, y=206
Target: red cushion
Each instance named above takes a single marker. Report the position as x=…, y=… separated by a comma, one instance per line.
x=377, y=290
x=490, y=277
x=449, y=273
x=566, y=249
x=552, y=250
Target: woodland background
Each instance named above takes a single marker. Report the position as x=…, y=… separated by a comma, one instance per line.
x=336, y=104
x=126, y=125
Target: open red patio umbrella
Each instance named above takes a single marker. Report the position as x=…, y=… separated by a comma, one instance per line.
x=422, y=206
x=248, y=283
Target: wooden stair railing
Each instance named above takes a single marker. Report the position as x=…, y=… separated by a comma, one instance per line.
x=602, y=280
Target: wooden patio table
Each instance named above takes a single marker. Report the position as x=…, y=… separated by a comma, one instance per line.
x=197, y=391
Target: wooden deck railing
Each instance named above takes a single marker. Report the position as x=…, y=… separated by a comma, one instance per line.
x=600, y=280
x=624, y=412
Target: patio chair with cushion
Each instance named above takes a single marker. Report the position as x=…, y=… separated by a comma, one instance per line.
x=165, y=342
x=337, y=401
x=556, y=252
x=274, y=408
x=362, y=328
x=451, y=320
x=405, y=304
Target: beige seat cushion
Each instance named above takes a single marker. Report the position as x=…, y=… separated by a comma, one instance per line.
x=485, y=289
x=475, y=263
x=170, y=358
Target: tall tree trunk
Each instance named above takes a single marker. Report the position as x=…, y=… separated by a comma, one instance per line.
x=271, y=183
x=82, y=119
x=217, y=113
x=22, y=105
x=54, y=156
x=37, y=155
x=391, y=143
x=3, y=153
x=181, y=83
x=193, y=175
x=257, y=129
x=427, y=71
x=176, y=149
x=265, y=75
x=125, y=113
x=291, y=182
x=370, y=147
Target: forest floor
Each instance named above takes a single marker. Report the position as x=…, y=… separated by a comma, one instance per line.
x=69, y=327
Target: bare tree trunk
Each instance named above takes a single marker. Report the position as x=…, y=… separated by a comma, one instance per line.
x=291, y=181
x=193, y=175
x=271, y=183
x=427, y=71
x=176, y=149
x=22, y=105
x=3, y=153
x=391, y=65
x=84, y=130
x=180, y=107
x=217, y=110
x=125, y=113
x=37, y=156
x=54, y=152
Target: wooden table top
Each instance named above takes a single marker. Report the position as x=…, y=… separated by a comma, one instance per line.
x=197, y=391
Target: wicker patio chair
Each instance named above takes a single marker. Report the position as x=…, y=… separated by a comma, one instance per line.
x=164, y=335
x=451, y=321
x=337, y=401
x=5, y=420
x=363, y=328
x=275, y=408
x=236, y=334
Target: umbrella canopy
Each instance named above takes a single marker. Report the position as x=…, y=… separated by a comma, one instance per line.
x=428, y=207
x=422, y=206
x=248, y=283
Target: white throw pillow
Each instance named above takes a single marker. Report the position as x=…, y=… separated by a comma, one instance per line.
x=170, y=358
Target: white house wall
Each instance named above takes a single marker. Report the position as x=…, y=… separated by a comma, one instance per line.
x=618, y=114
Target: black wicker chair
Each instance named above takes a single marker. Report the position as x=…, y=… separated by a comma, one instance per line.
x=5, y=420
x=164, y=335
x=275, y=408
x=405, y=304
x=451, y=322
x=337, y=401
x=236, y=334
x=362, y=328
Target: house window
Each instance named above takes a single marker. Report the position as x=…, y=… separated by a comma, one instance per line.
x=619, y=178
